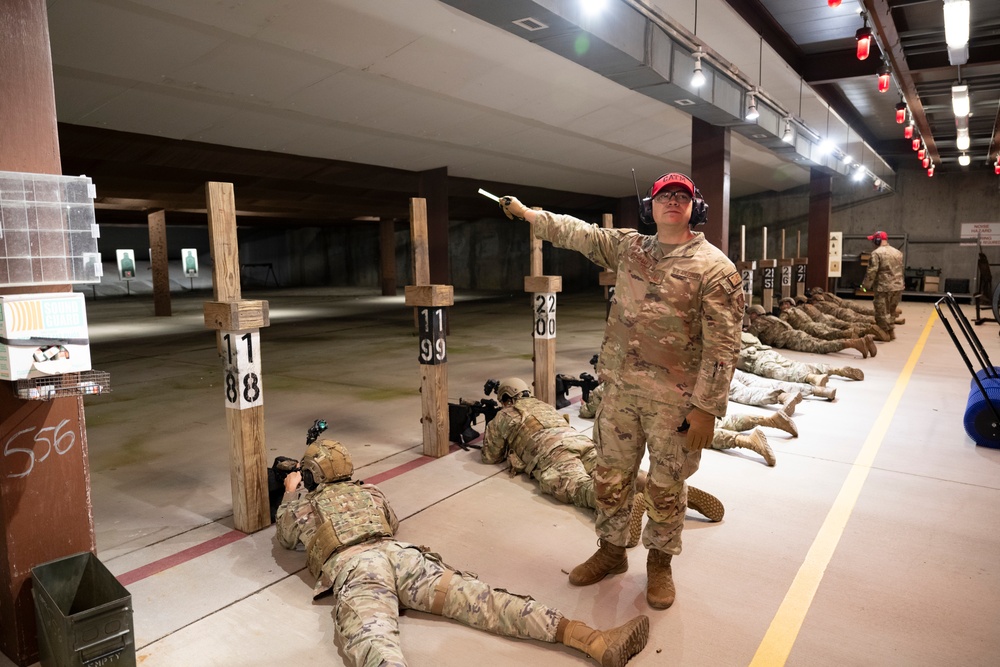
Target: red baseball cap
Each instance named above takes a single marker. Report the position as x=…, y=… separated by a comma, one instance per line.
x=879, y=236
x=673, y=179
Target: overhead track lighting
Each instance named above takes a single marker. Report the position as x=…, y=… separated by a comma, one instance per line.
x=833, y=3
x=788, y=136
x=964, y=159
x=930, y=170
x=883, y=77
x=908, y=130
x=996, y=167
x=962, y=140
x=956, y=23
x=926, y=162
x=864, y=37
x=900, y=112
x=916, y=143
x=752, y=113
x=960, y=100
x=921, y=153
x=698, y=78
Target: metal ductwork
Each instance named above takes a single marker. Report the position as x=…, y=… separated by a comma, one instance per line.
x=632, y=50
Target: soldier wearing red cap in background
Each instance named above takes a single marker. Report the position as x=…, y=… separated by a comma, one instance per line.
x=670, y=345
x=885, y=278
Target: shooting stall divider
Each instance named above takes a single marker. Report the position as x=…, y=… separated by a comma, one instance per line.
x=430, y=302
x=237, y=322
x=767, y=271
x=543, y=290
x=157, y=221
x=786, y=270
x=801, y=267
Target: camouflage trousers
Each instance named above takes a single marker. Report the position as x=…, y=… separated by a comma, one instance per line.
x=885, y=309
x=625, y=425
x=771, y=364
x=565, y=475
x=803, y=342
x=372, y=585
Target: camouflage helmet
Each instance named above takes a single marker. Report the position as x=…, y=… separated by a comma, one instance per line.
x=757, y=309
x=511, y=388
x=801, y=300
x=328, y=461
x=787, y=299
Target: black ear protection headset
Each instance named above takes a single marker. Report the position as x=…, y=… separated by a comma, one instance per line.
x=699, y=207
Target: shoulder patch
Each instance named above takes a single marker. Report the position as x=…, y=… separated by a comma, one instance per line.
x=733, y=282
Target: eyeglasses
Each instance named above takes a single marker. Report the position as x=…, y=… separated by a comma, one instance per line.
x=682, y=198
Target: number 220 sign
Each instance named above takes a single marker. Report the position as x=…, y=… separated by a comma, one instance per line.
x=241, y=373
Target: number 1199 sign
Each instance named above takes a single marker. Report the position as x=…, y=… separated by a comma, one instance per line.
x=242, y=369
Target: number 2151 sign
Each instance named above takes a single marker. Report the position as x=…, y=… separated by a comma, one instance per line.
x=241, y=373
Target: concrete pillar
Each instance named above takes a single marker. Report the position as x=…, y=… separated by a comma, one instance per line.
x=818, y=244
x=710, y=171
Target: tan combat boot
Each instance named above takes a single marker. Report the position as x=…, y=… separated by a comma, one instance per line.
x=757, y=442
x=706, y=504
x=789, y=400
x=610, y=648
x=608, y=559
x=848, y=372
x=829, y=393
x=817, y=379
x=782, y=422
x=660, y=591
x=635, y=521
x=870, y=342
x=900, y=320
x=858, y=344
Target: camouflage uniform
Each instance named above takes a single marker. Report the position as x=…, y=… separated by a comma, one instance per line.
x=537, y=441
x=857, y=306
x=817, y=315
x=670, y=344
x=885, y=276
x=801, y=321
x=841, y=313
x=750, y=389
x=760, y=359
x=778, y=333
x=373, y=576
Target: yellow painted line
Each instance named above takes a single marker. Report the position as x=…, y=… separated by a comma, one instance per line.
x=780, y=637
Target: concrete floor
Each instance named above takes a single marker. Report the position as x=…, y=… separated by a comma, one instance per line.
x=878, y=528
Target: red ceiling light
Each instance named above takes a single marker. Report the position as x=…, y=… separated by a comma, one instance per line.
x=916, y=143
x=833, y=3
x=920, y=154
x=900, y=113
x=926, y=162
x=996, y=167
x=930, y=171
x=864, y=37
x=883, y=78
x=908, y=131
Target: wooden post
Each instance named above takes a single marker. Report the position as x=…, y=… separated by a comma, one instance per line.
x=746, y=270
x=238, y=322
x=785, y=265
x=45, y=501
x=430, y=302
x=161, y=271
x=543, y=290
x=387, y=254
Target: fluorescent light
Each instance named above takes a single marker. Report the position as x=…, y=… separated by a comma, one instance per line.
x=960, y=100
x=956, y=23
x=962, y=141
x=964, y=159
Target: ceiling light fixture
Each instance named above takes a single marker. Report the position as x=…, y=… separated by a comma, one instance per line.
x=859, y=173
x=930, y=170
x=926, y=162
x=848, y=159
x=962, y=140
x=883, y=77
x=593, y=7
x=996, y=167
x=921, y=153
x=960, y=100
x=698, y=78
x=752, y=113
x=964, y=159
x=900, y=112
x=833, y=3
x=788, y=136
x=916, y=143
x=864, y=37
x=956, y=23
x=908, y=130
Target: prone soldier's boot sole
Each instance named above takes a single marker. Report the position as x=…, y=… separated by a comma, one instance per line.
x=635, y=521
x=625, y=641
x=706, y=504
x=783, y=422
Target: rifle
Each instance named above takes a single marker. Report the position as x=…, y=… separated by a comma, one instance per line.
x=586, y=382
x=462, y=415
x=283, y=465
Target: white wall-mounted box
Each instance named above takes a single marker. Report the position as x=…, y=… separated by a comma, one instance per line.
x=43, y=334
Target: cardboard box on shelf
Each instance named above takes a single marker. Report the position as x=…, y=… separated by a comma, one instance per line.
x=932, y=283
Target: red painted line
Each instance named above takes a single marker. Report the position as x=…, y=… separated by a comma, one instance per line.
x=191, y=553
x=180, y=557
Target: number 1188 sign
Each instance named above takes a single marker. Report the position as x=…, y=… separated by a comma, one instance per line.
x=242, y=369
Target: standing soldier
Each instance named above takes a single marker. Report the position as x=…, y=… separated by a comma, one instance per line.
x=346, y=529
x=885, y=278
x=778, y=333
x=669, y=347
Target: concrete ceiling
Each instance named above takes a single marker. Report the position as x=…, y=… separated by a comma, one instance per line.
x=404, y=84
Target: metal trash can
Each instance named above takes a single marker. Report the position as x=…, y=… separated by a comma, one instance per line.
x=84, y=614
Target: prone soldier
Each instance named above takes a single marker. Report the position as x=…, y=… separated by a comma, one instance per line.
x=777, y=333
x=759, y=359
